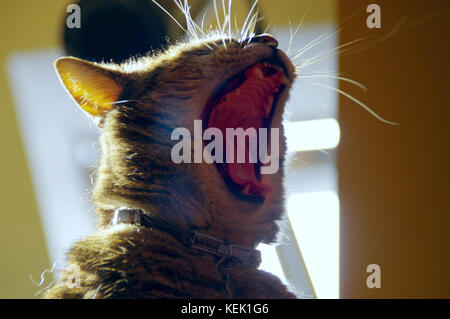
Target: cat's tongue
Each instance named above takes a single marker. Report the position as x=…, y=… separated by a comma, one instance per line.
x=247, y=106
x=244, y=174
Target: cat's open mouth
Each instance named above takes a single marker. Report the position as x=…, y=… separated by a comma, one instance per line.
x=248, y=100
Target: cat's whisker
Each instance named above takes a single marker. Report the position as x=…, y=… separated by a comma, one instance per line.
x=209, y=47
x=171, y=16
x=255, y=22
x=192, y=27
x=244, y=30
x=249, y=33
x=314, y=43
x=336, y=77
x=227, y=18
x=337, y=50
x=120, y=102
x=203, y=20
x=292, y=36
x=224, y=22
x=182, y=9
x=393, y=31
x=352, y=98
x=219, y=25
x=267, y=28
x=322, y=38
x=200, y=25
x=318, y=73
x=351, y=50
x=260, y=19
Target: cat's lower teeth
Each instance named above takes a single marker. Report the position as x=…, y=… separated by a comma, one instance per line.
x=250, y=105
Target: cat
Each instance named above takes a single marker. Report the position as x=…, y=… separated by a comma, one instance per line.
x=180, y=230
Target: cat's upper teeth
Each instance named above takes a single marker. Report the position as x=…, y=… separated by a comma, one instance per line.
x=258, y=73
x=273, y=66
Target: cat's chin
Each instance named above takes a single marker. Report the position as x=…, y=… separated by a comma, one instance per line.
x=253, y=99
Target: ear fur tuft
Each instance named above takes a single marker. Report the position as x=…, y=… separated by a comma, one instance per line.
x=93, y=87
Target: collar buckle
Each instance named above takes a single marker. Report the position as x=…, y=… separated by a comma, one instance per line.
x=226, y=250
x=128, y=216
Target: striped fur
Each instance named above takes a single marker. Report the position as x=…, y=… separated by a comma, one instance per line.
x=166, y=91
x=128, y=262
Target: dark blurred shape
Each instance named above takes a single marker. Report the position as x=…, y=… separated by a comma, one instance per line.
x=116, y=30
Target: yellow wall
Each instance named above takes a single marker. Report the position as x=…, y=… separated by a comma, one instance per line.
x=25, y=25
x=394, y=180
x=31, y=25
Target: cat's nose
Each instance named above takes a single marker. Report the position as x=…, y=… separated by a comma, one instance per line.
x=266, y=39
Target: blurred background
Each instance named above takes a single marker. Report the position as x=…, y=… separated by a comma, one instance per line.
x=359, y=191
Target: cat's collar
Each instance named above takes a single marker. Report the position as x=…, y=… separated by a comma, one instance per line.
x=192, y=239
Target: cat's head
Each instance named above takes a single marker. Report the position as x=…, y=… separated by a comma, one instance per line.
x=221, y=83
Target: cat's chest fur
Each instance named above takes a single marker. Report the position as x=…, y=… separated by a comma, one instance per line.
x=131, y=262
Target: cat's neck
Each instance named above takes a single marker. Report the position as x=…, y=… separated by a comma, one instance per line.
x=192, y=239
x=239, y=234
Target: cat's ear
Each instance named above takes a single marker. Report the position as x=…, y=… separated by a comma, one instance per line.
x=94, y=88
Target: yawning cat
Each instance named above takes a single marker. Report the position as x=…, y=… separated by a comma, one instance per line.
x=171, y=229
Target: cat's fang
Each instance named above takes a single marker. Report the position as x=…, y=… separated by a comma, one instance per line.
x=268, y=105
x=285, y=80
x=257, y=73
